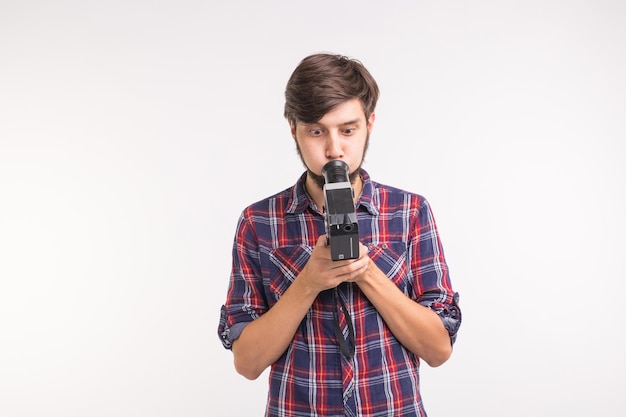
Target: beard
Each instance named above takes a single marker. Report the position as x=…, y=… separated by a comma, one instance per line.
x=319, y=179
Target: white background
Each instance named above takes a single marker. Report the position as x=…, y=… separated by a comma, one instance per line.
x=132, y=134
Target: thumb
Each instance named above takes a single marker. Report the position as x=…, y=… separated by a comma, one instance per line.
x=321, y=241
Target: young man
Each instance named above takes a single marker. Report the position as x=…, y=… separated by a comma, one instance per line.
x=342, y=337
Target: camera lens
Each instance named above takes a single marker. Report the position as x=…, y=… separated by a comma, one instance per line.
x=336, y=171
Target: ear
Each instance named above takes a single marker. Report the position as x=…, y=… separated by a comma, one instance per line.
x=292, y=127
x=370, y=122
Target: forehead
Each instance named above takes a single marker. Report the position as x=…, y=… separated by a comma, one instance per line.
x=350, y=111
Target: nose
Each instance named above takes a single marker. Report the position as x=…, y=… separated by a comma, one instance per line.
x=333, y=146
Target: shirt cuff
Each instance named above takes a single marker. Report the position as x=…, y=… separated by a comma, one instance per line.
x=228, y=334
x=450, y=315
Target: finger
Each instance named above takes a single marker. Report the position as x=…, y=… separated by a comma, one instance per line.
x=354, y=275
x=351, y=267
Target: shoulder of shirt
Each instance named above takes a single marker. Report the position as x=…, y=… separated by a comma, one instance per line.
x=264, y=204
x=395, y=193
x=289, y=198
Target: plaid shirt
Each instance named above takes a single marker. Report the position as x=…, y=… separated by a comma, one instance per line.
x=273, y=242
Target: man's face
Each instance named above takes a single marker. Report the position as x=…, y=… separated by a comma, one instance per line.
x=342, y=133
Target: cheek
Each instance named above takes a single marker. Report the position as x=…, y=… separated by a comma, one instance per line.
x=311, y=148
x=308, y=154
x=357, y=149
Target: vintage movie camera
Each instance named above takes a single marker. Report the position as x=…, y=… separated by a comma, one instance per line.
x=342, y=228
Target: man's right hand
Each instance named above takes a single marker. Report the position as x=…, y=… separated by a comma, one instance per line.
x=322, y=273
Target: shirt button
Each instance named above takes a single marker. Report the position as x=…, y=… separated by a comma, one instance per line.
x=384, y=246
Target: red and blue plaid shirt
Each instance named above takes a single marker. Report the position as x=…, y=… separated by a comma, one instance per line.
x=273, y=242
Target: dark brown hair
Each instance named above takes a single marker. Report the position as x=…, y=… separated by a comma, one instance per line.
x=323, y=81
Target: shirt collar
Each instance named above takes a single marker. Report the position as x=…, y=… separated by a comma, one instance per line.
x=299, y=199
x=368, y=198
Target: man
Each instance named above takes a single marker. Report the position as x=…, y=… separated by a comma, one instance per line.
x=342, y=337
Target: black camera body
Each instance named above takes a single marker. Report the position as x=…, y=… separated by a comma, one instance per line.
x=342, y=227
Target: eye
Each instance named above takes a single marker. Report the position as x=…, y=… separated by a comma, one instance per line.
x=315, y=132
x=349, y=131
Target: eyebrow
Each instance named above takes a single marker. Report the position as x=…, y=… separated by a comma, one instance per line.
x=351, y=122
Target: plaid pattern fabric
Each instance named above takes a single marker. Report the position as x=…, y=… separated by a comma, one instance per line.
x=273, y=242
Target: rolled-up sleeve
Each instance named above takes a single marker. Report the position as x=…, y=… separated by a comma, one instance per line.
x=450, y=315
x=433, y=288
x=228, y=334
x=245, y=299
